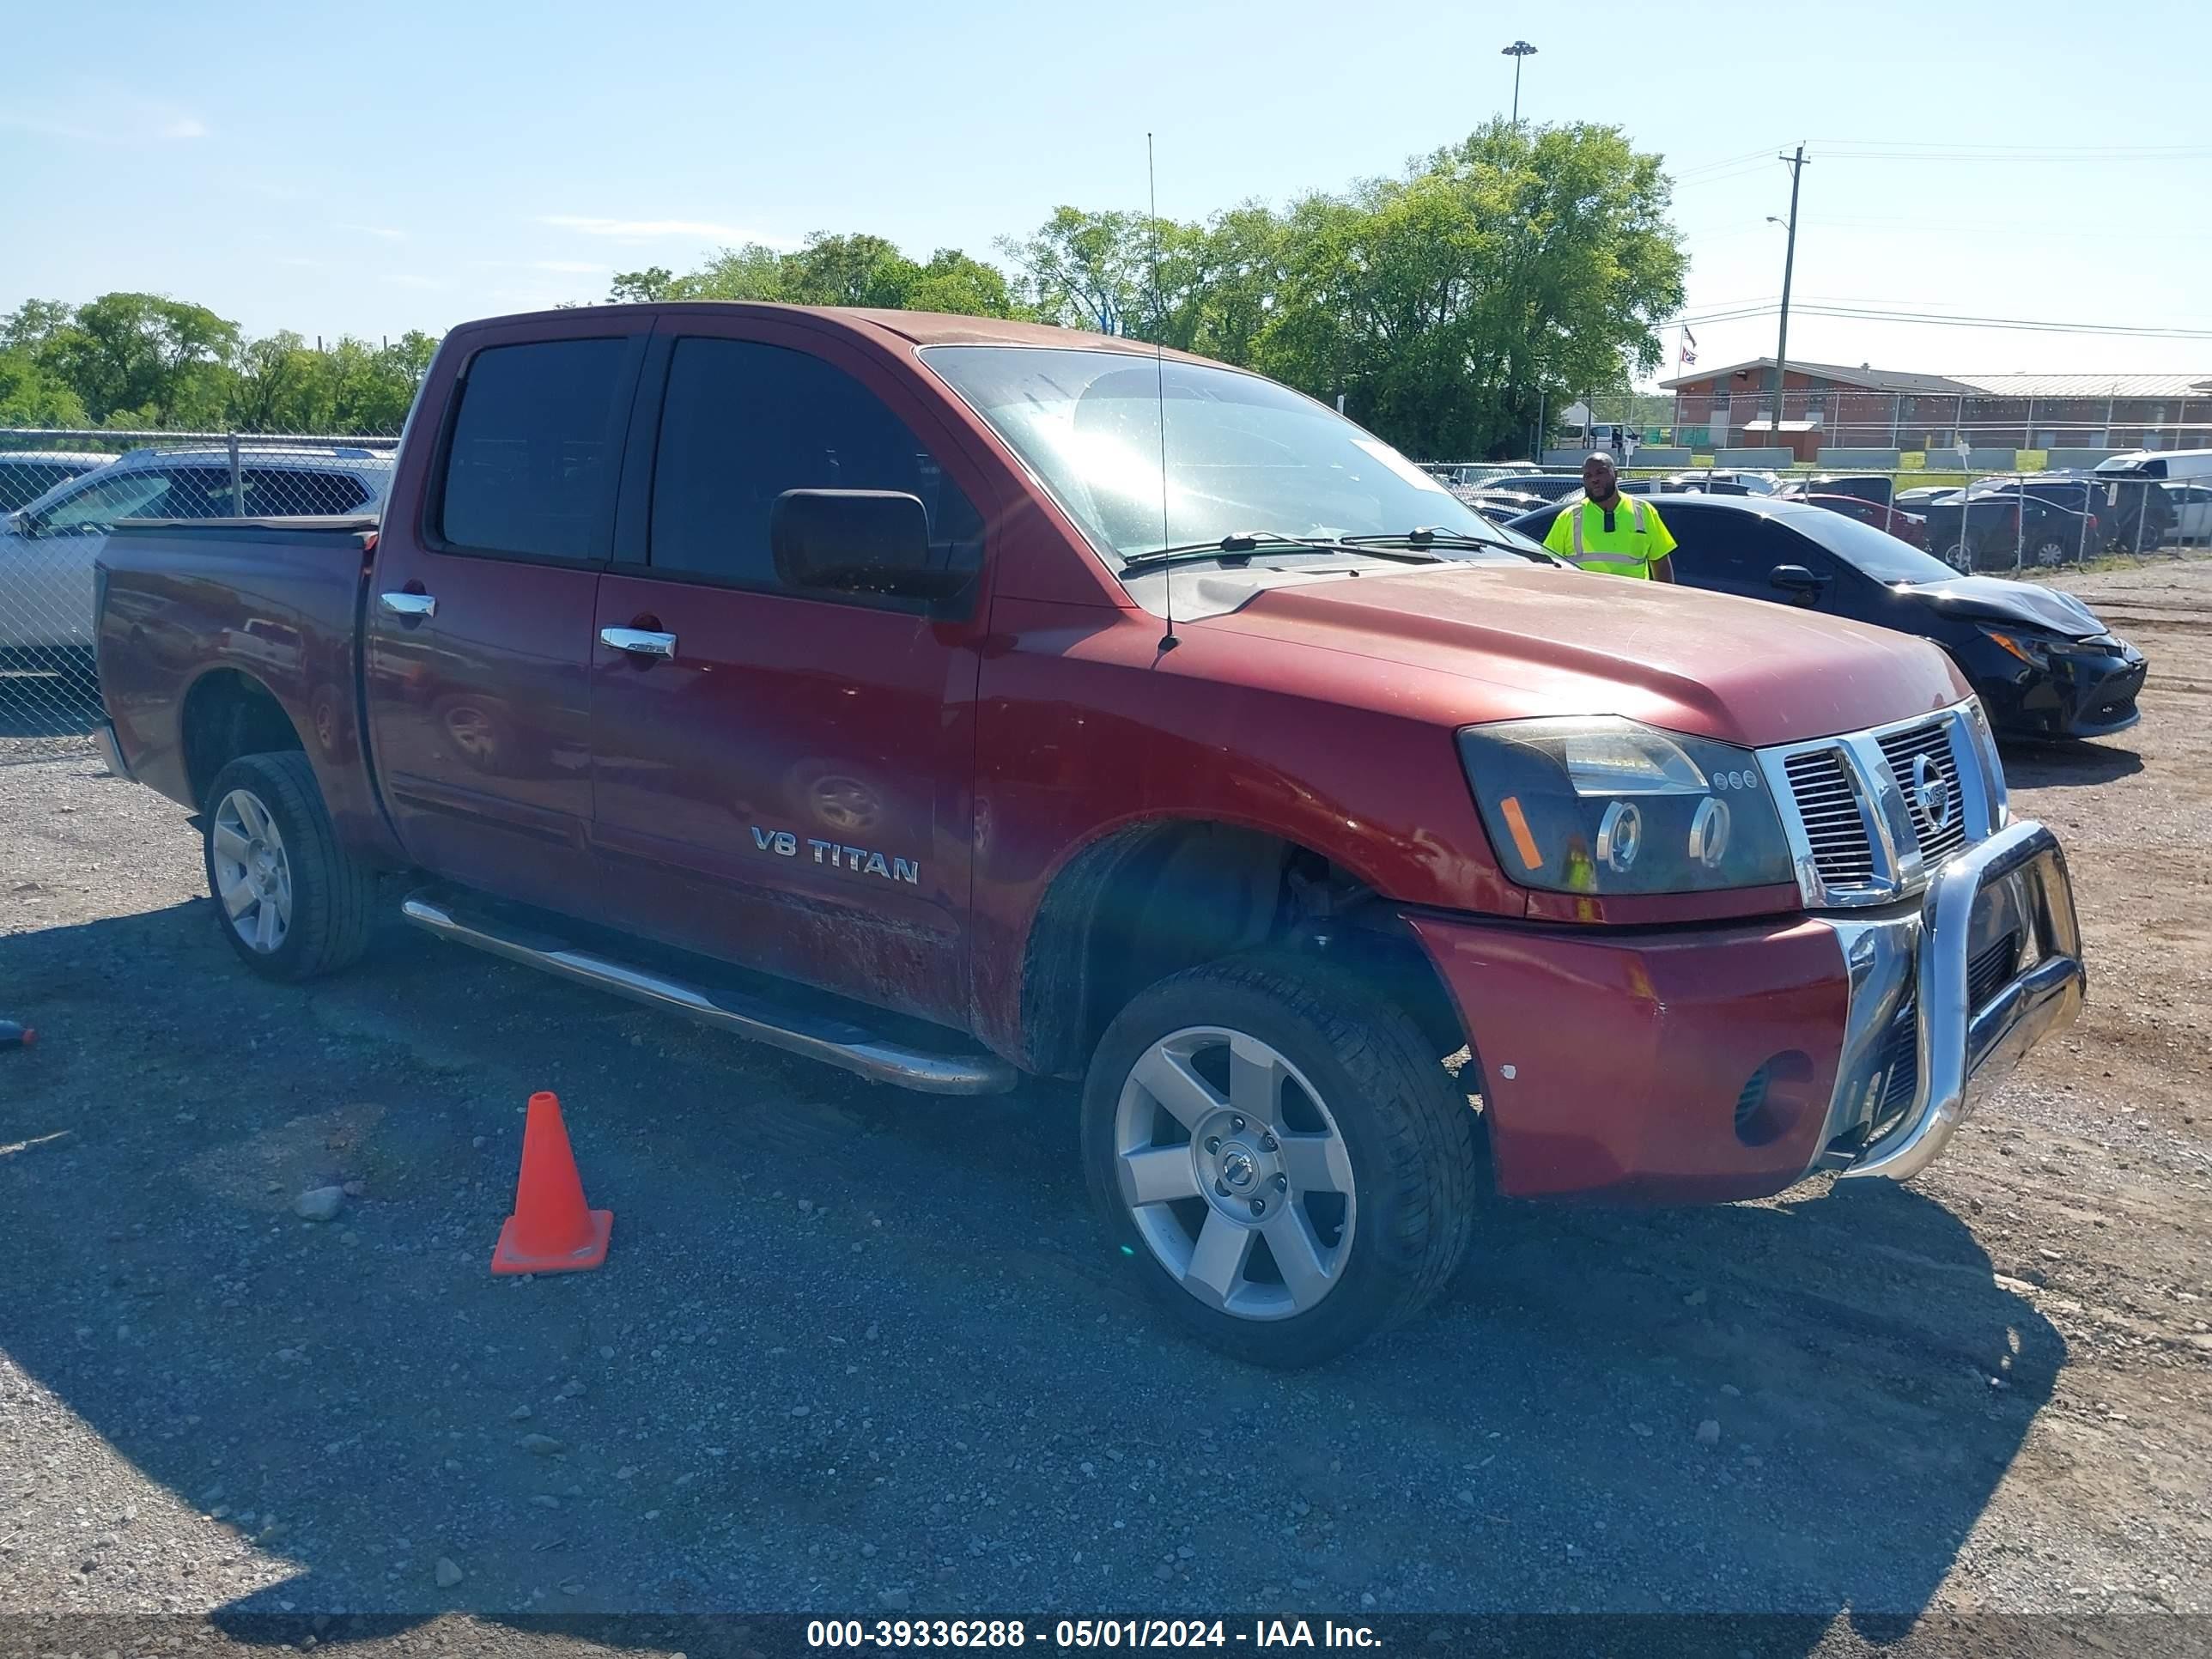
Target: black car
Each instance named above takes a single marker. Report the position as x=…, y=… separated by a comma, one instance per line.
x=2041, y=661
x=2007, y=524
x=1875, y=487
x=1550, y=485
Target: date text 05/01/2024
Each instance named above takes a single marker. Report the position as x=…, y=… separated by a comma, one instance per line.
x=1078, y=1634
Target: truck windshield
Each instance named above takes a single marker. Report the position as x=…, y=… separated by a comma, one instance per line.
x=1241, y=452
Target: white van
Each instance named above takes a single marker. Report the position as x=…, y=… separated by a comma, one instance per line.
x=2192, y=464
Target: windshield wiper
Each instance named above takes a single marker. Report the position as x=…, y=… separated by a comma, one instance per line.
x=1426, y=536
x=1242, y=544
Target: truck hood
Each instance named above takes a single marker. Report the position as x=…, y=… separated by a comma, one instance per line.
x=1531, y=641
x=1989, y=599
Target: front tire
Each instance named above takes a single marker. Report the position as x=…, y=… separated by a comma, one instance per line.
x=291, y=901
x=1281, y=1155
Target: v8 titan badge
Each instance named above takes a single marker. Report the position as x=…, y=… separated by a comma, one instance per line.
x=837, y=856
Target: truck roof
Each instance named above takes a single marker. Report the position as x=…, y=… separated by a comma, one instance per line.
x=922, y=328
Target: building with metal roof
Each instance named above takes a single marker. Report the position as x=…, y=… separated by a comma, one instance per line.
x=1831, y=406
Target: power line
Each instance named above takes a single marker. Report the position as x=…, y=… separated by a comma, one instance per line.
x=1936, y=148
x=1943, y=319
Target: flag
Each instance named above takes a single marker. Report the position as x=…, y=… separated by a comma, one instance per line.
x=1686, y=353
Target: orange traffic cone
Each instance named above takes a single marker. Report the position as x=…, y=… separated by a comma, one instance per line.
x=550, y=1231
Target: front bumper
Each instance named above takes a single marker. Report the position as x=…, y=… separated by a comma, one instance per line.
x=2083, y=693
x=1731, y=1062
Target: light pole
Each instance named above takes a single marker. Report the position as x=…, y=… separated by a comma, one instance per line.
x=1517, y=52
x=1796, y=165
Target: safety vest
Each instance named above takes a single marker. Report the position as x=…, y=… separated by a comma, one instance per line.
x=1607, y=561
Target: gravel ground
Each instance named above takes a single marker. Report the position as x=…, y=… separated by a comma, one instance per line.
x=860, y=1350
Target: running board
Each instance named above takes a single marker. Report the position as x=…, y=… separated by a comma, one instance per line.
x=834, y=1042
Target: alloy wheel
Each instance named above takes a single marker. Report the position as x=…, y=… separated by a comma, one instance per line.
x=1235, y=1173
x=253, y=875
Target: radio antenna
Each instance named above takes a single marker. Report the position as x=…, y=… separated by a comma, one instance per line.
x=1168, y=641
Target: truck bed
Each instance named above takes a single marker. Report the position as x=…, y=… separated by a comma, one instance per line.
x=187, y=606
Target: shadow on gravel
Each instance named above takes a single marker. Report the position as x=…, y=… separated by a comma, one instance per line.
x=2067, y=765
x=858, y=1353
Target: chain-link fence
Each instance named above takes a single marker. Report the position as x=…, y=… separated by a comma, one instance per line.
x=2008, y=523
x=61, y=492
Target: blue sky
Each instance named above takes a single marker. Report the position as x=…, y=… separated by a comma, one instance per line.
x=374, y=168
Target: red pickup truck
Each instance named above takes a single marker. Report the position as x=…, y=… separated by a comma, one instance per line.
x=950, y=699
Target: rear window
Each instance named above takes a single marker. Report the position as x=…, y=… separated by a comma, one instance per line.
x=277, y=492
x=532, y=464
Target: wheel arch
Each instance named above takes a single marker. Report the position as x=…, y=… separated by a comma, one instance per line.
x=225, y=713
x=1151, y=898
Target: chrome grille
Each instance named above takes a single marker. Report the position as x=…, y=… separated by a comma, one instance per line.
x=1901, y=750
x=1987, y=973
x=1835, y=824
x=1857, y=836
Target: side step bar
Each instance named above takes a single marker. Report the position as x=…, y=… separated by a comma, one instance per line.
x=834, y=1042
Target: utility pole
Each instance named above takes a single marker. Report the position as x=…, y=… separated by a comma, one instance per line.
x=1517, y=52
x=1796, y=165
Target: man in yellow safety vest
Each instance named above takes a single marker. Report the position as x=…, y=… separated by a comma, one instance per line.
x=1611, y=533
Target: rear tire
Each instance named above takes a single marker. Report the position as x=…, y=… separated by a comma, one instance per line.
x=1272, y=1081
x=289, y=899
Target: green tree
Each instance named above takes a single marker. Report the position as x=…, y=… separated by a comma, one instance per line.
x=751, y=271
x=641, y=287
x=1085, y=269
x=30, y=396
x=144, y=356
x=831, y=270
x=279, y=384
x=953, y=282
x=1517, y=266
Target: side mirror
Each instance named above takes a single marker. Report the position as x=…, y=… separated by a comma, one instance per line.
x=856, y=541
x=1795, y=580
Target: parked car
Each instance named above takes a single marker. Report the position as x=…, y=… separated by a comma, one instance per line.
x=1548, y=486
x=1500, y=506
x=2006, y=524
x=48, y=546
x=850, y=648
x=1920, y=497
x=1905, y=527
x=2192, y=513
x=2041, y=662
x=1878, y=488
x=2137, y=512
x=1711, y=481
x=28, y=474
x=1476, y=475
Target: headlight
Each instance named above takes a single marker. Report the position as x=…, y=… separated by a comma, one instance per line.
x=2030, y=648
x=1602, y=805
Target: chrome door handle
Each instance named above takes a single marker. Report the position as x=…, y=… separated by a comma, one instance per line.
x=639, y=642
x=416, y=605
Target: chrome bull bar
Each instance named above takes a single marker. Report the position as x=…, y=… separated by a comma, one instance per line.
x=1963, y=1050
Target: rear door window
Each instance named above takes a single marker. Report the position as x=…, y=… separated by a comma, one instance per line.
x=1715, y=548
x=531, y=465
